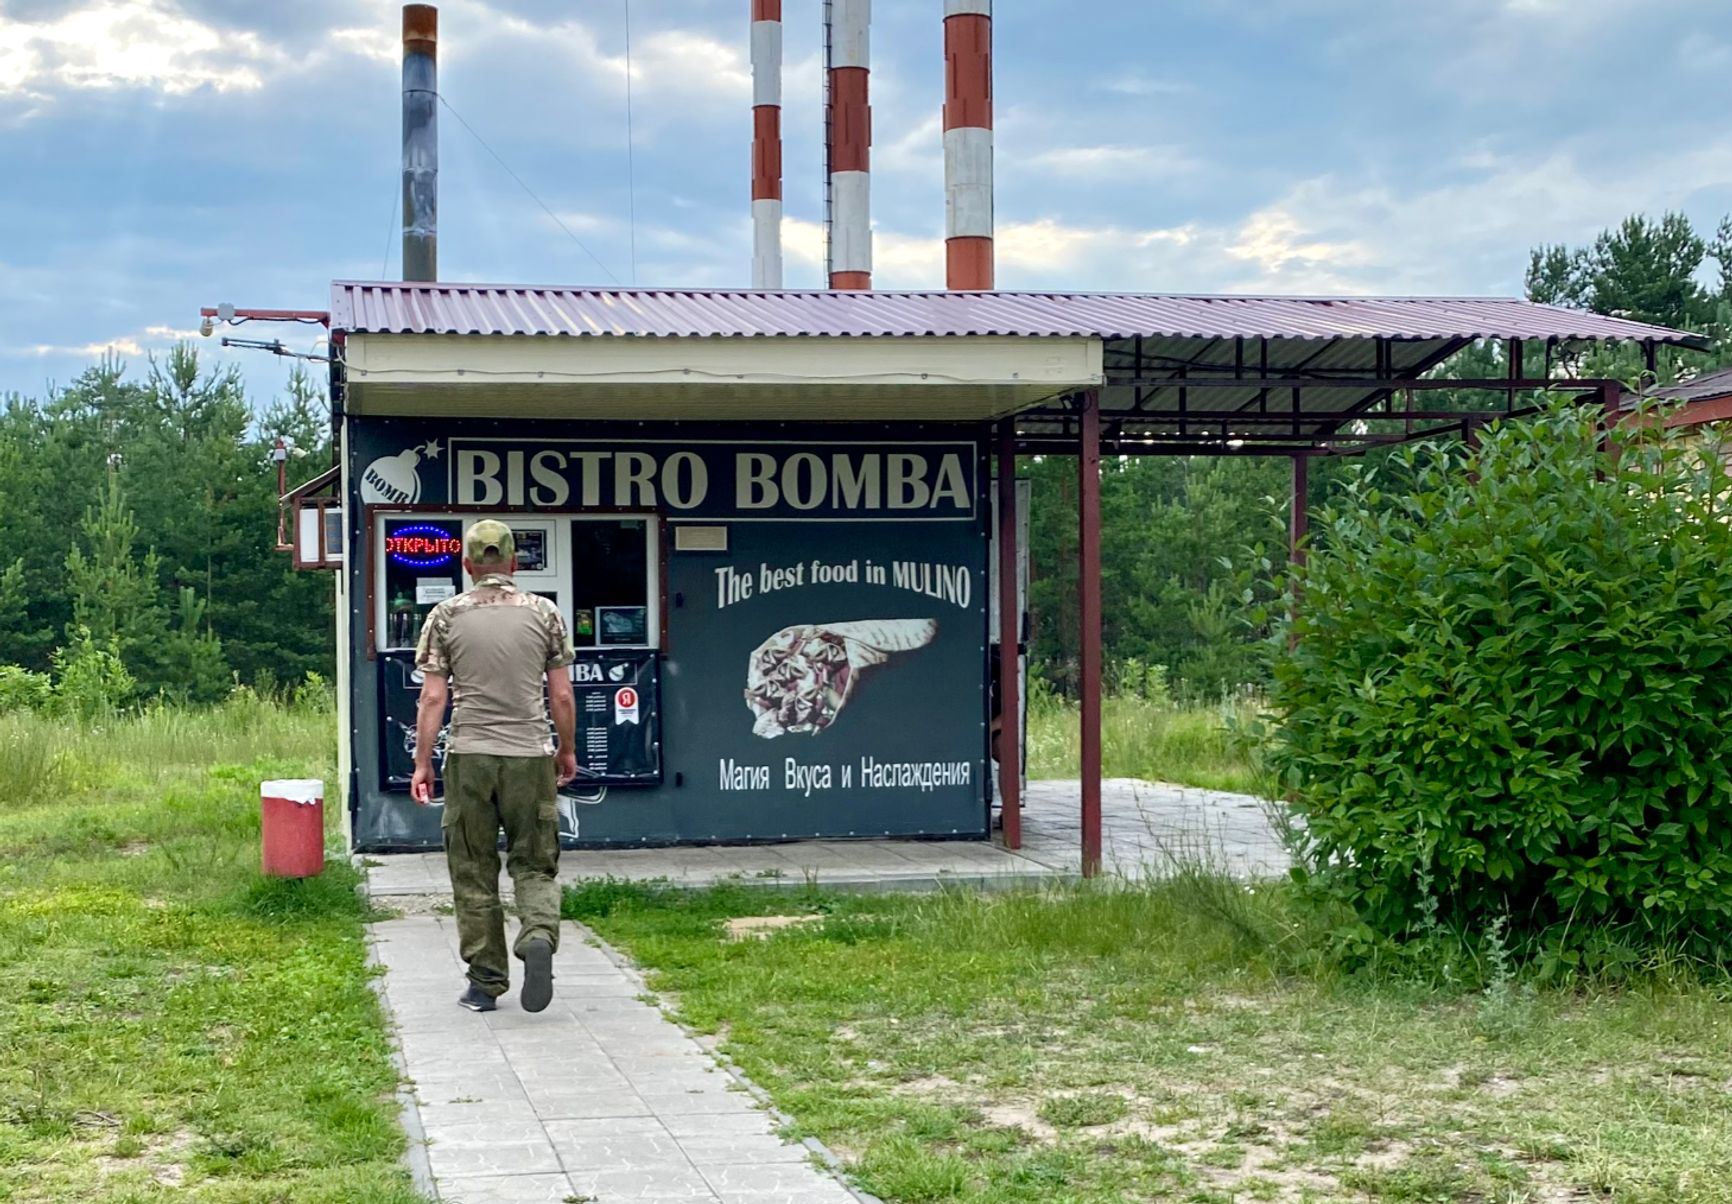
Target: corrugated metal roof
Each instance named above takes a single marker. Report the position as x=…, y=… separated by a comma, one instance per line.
x=1704, y=388
x=416, y=308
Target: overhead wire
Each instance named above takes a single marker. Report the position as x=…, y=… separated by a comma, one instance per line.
x=391, y=231
x=497, y=158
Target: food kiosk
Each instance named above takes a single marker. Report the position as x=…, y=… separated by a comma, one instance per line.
x=781, y=626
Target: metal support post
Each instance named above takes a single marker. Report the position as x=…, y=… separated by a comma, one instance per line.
x=1089, y=621
x=1009, y=642
x=1298, y=527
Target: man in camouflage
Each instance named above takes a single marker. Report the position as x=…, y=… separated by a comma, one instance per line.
x=490, y=650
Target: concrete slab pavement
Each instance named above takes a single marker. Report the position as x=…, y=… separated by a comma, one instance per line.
x=1145, y=827
x=598, y=1098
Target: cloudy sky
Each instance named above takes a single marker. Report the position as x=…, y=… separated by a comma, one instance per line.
x=162, y=154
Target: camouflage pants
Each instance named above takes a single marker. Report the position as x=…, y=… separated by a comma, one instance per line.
x=483, y=794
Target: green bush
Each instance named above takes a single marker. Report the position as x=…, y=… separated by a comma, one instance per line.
x=1511, y=689
x=22, y=690
x=92, y=681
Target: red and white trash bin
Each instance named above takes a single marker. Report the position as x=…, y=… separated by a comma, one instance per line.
x=292, y=827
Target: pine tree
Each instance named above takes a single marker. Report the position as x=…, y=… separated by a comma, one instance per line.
x=115, y=594
x=117, y=603
x=23, y=641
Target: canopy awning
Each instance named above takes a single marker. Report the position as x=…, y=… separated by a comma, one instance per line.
x=1186, y=370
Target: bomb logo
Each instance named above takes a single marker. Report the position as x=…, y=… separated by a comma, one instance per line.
x=396, y=480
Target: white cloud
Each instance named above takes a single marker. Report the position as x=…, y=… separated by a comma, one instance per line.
x=682, y=63
x=1470, y=234
x=158, y=46
x=1323, y=235
x=919, y=151
x=1274, y=239
x=123, y=345
x=1050, y=246
x=148, y=44
x=1133, y=84
x=1036, y=253
x=378, y=44
x=898, y=260
x=1096, y=162
x=135, y=344
x=1576, y=10
x=584, y=222
x=802, y=241
x=677, y=63
x=1700, y=52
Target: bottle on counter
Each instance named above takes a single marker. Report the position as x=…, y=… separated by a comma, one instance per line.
x=404, y=624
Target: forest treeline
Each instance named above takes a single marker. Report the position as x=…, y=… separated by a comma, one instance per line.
x=138, y=509
x=138, y=521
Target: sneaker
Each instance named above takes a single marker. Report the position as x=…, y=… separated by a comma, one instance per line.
x=477, y=1000
x=537, y=975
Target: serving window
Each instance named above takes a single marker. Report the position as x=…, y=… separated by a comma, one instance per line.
x=603, y=571
x=613, y=581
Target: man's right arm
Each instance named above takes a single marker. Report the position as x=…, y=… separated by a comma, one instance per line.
x=429, y=718
x=561, y=700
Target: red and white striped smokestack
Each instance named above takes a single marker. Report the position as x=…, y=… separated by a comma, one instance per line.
x=850, y=150
x=766, y=143
x=968, y=144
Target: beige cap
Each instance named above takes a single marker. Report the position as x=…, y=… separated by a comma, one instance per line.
x=489, y=542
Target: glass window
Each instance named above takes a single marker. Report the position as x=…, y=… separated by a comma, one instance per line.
x=333, y=516
x=610, y=573
x=423, y=566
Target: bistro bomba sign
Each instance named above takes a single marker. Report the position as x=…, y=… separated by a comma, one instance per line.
x=761, y=479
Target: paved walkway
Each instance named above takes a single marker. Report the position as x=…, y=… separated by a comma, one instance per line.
x=602, y=1098
x=1144, y=827
x=598, y=1098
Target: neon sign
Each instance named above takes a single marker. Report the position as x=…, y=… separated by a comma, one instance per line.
x=423, y=547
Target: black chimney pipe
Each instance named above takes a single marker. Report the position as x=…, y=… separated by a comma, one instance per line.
x=420, y=142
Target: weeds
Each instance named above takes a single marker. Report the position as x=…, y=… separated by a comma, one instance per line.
x=1083, y=1111
x=35, y=768
x=175, y=1019
x=1505, y=1004
x=1192, y=1039
x=49, y=759
x=1149, y=738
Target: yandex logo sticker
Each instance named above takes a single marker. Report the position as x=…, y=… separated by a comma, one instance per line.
x=625, y=705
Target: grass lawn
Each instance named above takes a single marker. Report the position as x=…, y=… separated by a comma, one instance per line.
x=1185, y=1043
x=1140, y=738
x=172, y=1025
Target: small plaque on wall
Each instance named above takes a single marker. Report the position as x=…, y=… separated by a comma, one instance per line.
x=700, y=539
x=531, y=550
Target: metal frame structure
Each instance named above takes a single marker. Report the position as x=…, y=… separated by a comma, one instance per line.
x=1243, y=408
x=1178, y=375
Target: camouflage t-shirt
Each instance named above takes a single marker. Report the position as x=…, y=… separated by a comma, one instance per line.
x=496, y=645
